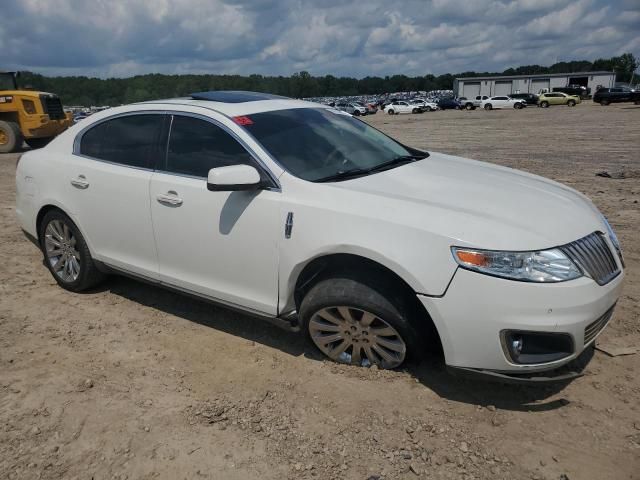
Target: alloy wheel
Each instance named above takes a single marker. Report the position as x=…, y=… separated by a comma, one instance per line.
x=61, y=251
x=355, y=336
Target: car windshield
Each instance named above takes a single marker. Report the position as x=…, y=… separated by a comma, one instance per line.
x=321, y=144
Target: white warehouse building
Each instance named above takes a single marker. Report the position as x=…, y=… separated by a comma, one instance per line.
x=470, y=87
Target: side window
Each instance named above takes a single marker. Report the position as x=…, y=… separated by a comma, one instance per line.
x=132, y=140
x=196, y=146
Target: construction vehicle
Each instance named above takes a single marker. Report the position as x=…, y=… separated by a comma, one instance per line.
x=25, y=115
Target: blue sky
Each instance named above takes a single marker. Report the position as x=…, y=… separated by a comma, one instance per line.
x=342, y=37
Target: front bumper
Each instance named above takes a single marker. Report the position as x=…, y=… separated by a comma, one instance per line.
x=42, y=127
x=476, y=308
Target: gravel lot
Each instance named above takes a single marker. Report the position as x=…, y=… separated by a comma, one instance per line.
x=130, y=381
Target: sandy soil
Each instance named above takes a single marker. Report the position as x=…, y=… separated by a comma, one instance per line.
x=130, y=381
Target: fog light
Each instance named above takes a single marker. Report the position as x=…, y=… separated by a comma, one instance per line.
x=526, y=348
x=516, y=345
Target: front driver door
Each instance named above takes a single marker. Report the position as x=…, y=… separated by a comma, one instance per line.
x=223, y=245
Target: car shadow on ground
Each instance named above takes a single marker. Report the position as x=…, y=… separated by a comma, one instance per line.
x=431, y=371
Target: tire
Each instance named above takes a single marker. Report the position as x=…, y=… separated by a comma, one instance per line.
x=544, y=104
x=57, y=232
x=337, y=307
x=10, y=137
x=517, y=106
x=356, y=113
x=604, y=102
x=469, y=106
x=429, y=109
x=415, y=110
x=38, y=142
x=571, y=103
x=488, y=106
x=390, y=112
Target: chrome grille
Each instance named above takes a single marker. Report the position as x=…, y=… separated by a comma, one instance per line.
x=593, y=255
x=594, y=328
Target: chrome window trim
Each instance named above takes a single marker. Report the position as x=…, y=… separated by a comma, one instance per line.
x=256, y=158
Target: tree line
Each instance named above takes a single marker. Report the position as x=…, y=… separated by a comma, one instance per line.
x=80, y=90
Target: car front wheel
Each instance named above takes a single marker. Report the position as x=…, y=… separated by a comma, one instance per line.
x=544, y=104
x=66, y=253
x=352, y=322
x=488, y=106
x=571, y=103
x=390, y=112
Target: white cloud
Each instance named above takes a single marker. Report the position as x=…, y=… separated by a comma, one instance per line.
x=376, y=37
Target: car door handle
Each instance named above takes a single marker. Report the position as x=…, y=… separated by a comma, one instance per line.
x=80, y=182
x=170, y=198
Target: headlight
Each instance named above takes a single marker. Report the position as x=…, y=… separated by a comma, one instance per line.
x=29, y=106
x=614, y=239
x=542, y=266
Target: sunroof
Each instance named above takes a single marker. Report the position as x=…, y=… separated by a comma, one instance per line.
x=233, y=96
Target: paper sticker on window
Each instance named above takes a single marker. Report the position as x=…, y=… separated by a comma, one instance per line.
x=243, y=121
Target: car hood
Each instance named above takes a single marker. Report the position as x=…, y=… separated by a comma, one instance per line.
x=477, y=203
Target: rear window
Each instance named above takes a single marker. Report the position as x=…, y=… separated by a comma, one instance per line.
x=131, y=140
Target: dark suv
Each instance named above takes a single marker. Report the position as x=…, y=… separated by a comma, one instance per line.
x=449, y=103
x=578, y=90
x=528, y=98
x=605, y=96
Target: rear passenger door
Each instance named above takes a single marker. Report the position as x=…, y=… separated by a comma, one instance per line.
x=108, y=189
x=223, y=245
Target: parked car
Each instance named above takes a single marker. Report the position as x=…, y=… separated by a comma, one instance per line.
x=526, y=98
x=466, y=103
x=372, y=108
x=557, y=98
x=605, y=96
x=577, y=90
x=352, y=108
x=424, y=105
x=400, y=106
x=501, y=102
x=449, y=104
x=302, y=215
x=477, y=102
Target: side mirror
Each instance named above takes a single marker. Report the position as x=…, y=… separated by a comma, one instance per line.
x=233, y=178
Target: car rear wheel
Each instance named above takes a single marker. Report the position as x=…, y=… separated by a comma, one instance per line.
x=356, y=113
x=488, y=106
x=468, y=106
x=10, y=137
x=351, y=322
x=604, y=102
x=571, y=103
x=66, y=253
x=544, y=104
x=415, y=110
x=390, y=112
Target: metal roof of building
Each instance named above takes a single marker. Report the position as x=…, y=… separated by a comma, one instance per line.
x=536, y=75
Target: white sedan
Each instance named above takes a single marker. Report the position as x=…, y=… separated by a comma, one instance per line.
x=305, y=216
x=501, y=102
x=400, y=106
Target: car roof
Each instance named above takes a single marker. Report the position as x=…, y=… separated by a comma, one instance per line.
x=235, y=102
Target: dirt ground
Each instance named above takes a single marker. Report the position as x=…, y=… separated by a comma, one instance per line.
x=130, y=381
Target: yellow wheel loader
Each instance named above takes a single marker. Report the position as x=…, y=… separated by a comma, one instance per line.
x=25, y=115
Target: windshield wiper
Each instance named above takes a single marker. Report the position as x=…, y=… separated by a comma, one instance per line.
x=359, y=172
